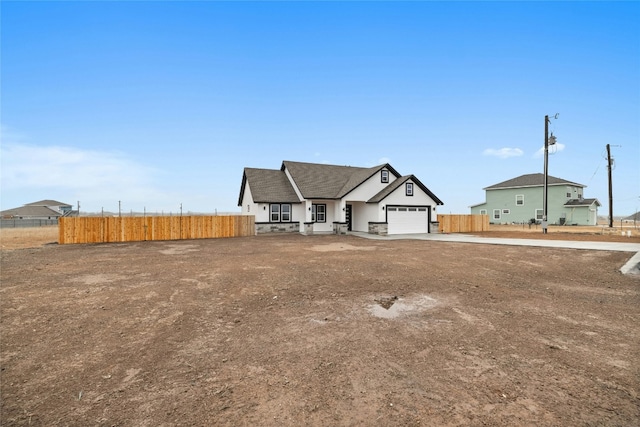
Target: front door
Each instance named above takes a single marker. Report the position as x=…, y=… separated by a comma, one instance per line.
x=348, y=217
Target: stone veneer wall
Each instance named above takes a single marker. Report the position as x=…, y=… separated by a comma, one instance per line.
x=340, y=227
x=277, y=227
x=379, y=228
x=308, y=228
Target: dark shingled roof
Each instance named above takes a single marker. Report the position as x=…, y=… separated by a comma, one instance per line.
x=268, y=185
x=582, y=202
x=316, y=181
x=531, y=180
x=397, y=183
x=320, y=181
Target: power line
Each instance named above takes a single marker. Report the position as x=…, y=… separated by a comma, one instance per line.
x=596, y=171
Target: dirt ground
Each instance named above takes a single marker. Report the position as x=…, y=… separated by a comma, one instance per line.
x=626, y=234
x=317, y=330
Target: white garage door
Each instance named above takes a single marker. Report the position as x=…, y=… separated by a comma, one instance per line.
x=407, y=220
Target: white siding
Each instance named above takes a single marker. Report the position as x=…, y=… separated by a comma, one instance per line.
x=262, y=212
x=298, y=214
x=419, y=198
x=327, y=226
x=248, y=207
x=361, y=214
x=369, y=188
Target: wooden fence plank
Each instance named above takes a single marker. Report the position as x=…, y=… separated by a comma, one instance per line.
x=463, y=223
x=135, y=229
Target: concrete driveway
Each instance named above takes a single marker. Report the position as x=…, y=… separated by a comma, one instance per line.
x=631, y=267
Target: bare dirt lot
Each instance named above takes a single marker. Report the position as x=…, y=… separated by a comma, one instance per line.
x=626, y=234
x=317, y=330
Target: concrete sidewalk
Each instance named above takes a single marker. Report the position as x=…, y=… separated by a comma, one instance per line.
x=631, y=267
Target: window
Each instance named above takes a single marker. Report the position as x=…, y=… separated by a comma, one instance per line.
x=506, y=211
x=275, y=213
x=285, y=211
x=409, y=189
x=483, y=211
x=496, y=214
x=519, y=199
x=384, y=176
x=319, y=213
x=568, y=194
x=280, y=212
x=539, y=213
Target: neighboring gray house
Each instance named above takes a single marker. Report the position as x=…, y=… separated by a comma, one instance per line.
x=44, y=209
x=520, y=199
x=318, y=198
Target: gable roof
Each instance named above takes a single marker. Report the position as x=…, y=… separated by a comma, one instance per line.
x=40, y=211
x=582, y=202
x=268, y=185
x=322, y=181
x=531, y=180
x=47, y=203
x=399, y=182
x=634, y=217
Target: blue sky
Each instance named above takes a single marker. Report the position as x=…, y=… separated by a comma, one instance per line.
x=158, y=104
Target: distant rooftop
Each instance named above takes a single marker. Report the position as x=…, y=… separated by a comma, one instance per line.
x=531, y=180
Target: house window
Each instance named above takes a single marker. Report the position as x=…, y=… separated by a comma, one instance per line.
x=579, y=196
x=539, y=214
x=285, y=213
x=483, y=211
x=319, y=213
x=384, y=176
x=409, y=189
x=280, y=212
x=519, y=199
x=568, y=194
x=275, y=213
x=496, y=214
x=506, y=211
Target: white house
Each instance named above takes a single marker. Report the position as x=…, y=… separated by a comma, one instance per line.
x=313, y=198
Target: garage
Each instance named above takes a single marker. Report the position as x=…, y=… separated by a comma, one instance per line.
x=407, y=219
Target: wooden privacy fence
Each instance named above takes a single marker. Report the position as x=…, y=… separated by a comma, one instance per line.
x=463, y=223
x=136, y=229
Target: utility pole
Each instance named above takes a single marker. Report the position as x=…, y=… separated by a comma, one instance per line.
x=610, y=187
x=546, y=174
x=548, y=140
